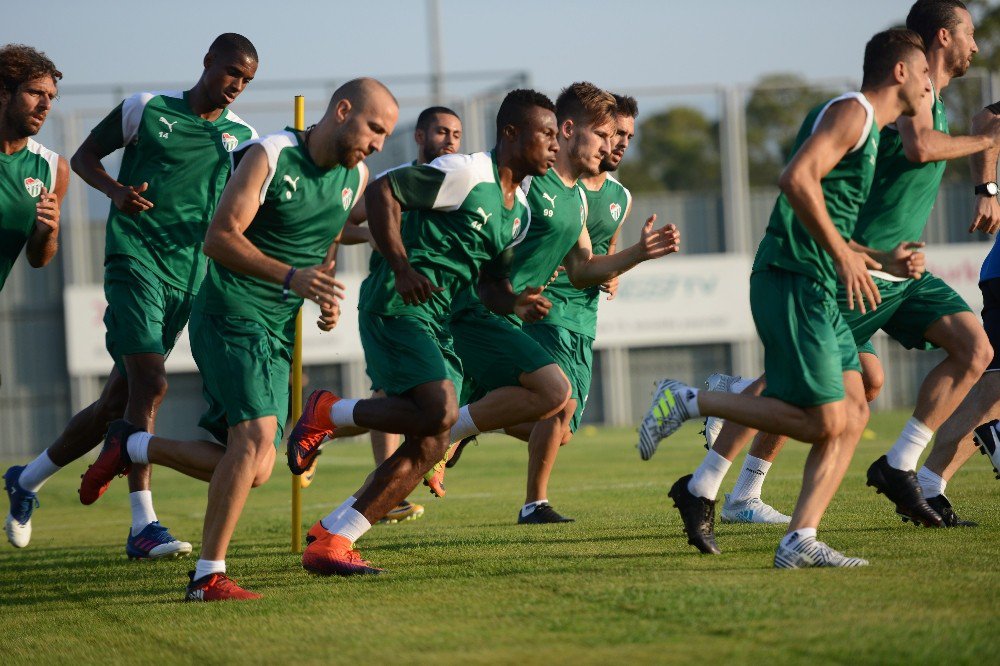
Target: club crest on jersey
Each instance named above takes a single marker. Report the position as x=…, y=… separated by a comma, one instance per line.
x=33, y=185
x=517, y=227
x=346, y=197
x=229, y=142
x=616, y=211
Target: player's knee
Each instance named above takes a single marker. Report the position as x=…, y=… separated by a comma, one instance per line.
x=981, y=355
x=554, y=394
x=830, y=424
x=151, y=384
x=873, y=385
x=438, y=418
x=264, y=468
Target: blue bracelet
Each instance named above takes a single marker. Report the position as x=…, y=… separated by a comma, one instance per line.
x=288, y=284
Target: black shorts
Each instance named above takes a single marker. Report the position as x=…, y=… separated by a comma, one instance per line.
x=991, y=318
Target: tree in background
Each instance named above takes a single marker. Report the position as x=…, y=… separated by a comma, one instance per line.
x=678, y=150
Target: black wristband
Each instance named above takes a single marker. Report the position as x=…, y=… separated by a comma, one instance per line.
x=995, y=108
x=288, y=283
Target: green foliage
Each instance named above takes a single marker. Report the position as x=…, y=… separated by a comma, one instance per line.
x=678, y=150
x=468, y=586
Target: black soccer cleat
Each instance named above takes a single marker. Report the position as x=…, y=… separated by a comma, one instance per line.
x=903, y=489
x=543, y=514
x=988, y=441
x=941, y=504
x=698, y=515
x=457, y=453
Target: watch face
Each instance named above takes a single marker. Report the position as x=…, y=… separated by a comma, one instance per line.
x=992, y=189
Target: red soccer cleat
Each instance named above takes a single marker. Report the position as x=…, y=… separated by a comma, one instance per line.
x=113, y=461
x=309, y=432
x=333, y=554
x=216, y=587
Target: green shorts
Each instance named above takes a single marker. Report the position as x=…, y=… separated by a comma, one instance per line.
x=495, y=351
x=907, y=310
x=807, y=344
x=403, y=352
x=244, y=372
x=145, y=315
x=574, y=352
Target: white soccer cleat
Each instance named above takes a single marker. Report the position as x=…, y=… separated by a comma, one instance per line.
x=665, y=416
x=753, y=510
x=19, y=534
x=718, y=381
x=809, y=552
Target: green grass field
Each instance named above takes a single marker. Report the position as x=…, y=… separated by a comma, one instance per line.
x=467, y=585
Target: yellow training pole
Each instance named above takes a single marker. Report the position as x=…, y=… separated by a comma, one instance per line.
x=300, y=124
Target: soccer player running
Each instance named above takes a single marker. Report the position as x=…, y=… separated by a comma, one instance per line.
x=176, y=161
x=918, y=309
x=33, y=183
x=466, y=210
x=815, y=392
x=271, y=236
x=567, y=333
x=438, y=132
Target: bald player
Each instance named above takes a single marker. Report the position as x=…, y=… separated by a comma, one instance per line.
x=269, y=245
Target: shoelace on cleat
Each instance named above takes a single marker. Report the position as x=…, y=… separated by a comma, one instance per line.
x=24, y=505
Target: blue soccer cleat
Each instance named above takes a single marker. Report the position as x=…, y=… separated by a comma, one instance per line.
x=22, y=504
x=155, y=542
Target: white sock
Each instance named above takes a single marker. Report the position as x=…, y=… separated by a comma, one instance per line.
x=342, y=412
x=802, y=533
x=905, y=453
x=464, y=426
x=529, y=508
x=350, y=524
x=37, y=472
x=138, y=447
x=142, y=509
x=689, y=398
x=750, y=480
x=332, y=517
x=932, y=484
x=741, y=385
x=205, y=567
x=708, y=477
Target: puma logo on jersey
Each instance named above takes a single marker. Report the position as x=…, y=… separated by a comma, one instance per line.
x=229, y=142
x=33, y=185
x=170, y=127
x=293, y=183
x=551, y=200
x=616, y=211
x=486, y=218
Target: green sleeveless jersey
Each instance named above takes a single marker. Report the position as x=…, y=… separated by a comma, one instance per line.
x=303, y=208
x=24, y=173
x=558, y=215
x=456, y=222
x=903, y=192
x=186, y=161
x=576, y=309
x=786, y=244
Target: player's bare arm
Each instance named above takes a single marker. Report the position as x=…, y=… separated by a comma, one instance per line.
x=984, y=170
x=922, y=143
x=43, y=243
x=226, y=243
x=385, y=217
x=585, y=269
x=86, y=162
x=835, y=136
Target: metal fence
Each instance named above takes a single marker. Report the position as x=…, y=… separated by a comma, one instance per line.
x=723, y=215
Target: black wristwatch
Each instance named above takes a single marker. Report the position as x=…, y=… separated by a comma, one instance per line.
x=989, y=189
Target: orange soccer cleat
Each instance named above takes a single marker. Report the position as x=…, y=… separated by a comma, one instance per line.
x=333, y=554
x=310, y=430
